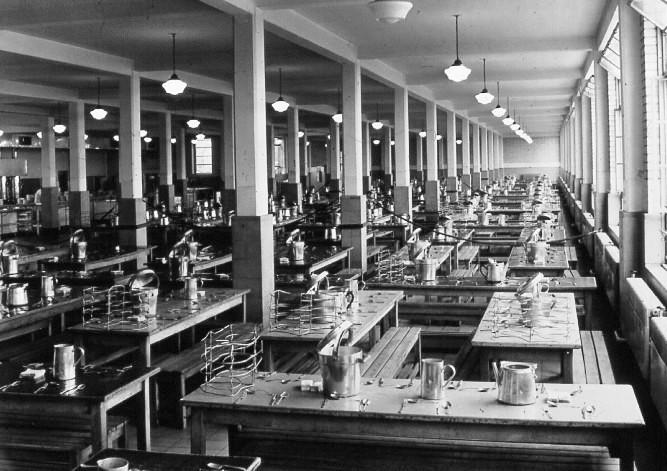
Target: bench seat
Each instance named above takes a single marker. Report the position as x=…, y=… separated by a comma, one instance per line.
x=386, y=358
x=467, y=254
x=591, y=363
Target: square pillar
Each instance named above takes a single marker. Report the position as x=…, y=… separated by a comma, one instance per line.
x=79, y=198
x=452, y=193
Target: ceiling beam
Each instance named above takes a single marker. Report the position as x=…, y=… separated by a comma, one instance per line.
x=40, y=92
x=32, y=46
x=291, y=4
x=507, y=76
x=195, y=81
x=480, y=48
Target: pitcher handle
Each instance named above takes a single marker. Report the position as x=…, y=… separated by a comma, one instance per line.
x=349, y=297
x=449, y=380
x=481, y=270
x=82, y=356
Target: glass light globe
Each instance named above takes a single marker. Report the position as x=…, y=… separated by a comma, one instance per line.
x=1, y=132
x=393, y=142
x=338, y=118
x=459, y=142
x=174, y=86
x=376, y=142
x=143, y=133
x=38, y=134
x=301, y=134
x=457, y=72
x=59, y=128
x=422, y=134
x=484, y=97
x=377, y=125
x=85, y=137
x=307, y=143
x=173, y=140
x=116, y=137
x=201, y=136
x=193, y=123
x=508, y=121
x=99, y=113
x=514, y=126
x=438, y=137
x=148, y=139
x=498, y=111
x=280, y=105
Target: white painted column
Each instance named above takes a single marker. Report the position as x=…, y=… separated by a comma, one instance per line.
x=476, y=180
x=353, y=203
x=492, y=155
x=602, y=180
x=587, y=154
x=131, y=207
x=335, y=157
x=79, y=197
x=498, y=165
x=181, y=168
x=442, y=159
x=420, y=159
x=484, y=178
x=386, y=157
x=166, y=172
x=573, y=153
x=366, y=148
x=578, y=147
x=292, y=189
x=402, y=189
x=466, y=174
x=50, y=190
x=228, y=163
x=252, y=228
x=451, y=156
x=432, y=185
x=501, y=167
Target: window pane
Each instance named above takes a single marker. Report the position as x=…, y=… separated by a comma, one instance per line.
x=203, y=156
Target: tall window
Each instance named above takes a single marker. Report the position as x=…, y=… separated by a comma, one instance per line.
x=618, y=133
x=203, y=156
x=662, y=126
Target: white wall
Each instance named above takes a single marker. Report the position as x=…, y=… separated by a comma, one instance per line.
x=540, y=157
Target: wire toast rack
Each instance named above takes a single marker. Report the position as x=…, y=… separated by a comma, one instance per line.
x=231, y=358
x=389, y=267
x=113, y=307
x=303, y=313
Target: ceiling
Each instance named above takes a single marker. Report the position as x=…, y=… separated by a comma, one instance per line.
x=536, y=49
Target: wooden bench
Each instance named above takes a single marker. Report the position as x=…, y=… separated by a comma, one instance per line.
x=37, y=350
x=428, y=312
x=386, y=358
x=30, y=441
x=467, y=254
x=170, y=387
x=348, y=274
x=571, y=252
x=591, y=364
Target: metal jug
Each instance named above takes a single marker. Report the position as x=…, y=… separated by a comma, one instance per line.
x=191, y=287
x=64, y=363
x=494, y=272
x=339, y=366
x=536, y=251
x=426, y=268
x=515, y=382
x=297, y=249
x=433, y=381
x=483, y=218
x=47, y=287
x=17, y=294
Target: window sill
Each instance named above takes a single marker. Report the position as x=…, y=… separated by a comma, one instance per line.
x=656, y=278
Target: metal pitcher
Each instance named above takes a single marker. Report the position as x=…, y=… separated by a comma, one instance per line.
x=47, y=287
x=515, y=382
x=483, y=218
x=426, y=268
x=536, y=251
x=64, y=363
x=433, y=381
x=297, y=249
x=339, y=366
x=494, y=272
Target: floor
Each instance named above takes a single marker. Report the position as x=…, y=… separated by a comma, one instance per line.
x=651, y=444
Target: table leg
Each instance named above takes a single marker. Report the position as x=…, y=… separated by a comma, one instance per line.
x=145, y=353
x=243, y=304
x=567, y=366
x=484, y=360
x=394, y=319
x=143, y=417
x=197, y=432
x=267, y=348
x=588, y=309
x=98, y=419
x=626, y=452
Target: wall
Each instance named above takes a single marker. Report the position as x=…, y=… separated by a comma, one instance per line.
x=540, y=157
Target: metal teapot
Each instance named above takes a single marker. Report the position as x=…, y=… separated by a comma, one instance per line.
x=10, y=258
x=495, y=272
x=17, y=294
x=78, y=245
x=515, y=382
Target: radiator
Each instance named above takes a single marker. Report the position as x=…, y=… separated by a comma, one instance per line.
x=610, y=274
x=638, y=306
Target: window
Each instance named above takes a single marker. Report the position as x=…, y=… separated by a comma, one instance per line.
x=618, y=133
x=662, y=126
x=203, y=156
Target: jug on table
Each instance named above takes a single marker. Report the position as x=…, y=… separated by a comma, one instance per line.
x=339, y=365
x=64, y=362
x=433, y=381
x=515, y=382
x=536, y=251
x=493, y=271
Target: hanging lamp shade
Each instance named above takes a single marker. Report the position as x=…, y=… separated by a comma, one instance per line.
x=484, y=97
x=143, y=133
x=377, y=124
x=173, y=140
x=338, y=116
x=498, y=111
x=390, y=11
x=201, y=136
x=438, y=137
x=280, y=105
x=174, y=86
x=457, y=72
x=59, y=128
x=193, y=123
x=508, y=120
x=301, y=134
x=376, y=142
x=98, y=113
x=422, y=134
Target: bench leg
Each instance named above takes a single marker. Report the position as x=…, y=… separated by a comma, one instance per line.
x=99, y=426
x=197, y=432
x=143, y=411
x=566, y=366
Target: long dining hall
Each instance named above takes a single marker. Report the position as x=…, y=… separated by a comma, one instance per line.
x=287, y=235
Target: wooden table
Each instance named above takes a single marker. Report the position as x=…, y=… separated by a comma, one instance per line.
x=147, y=460
x=201, y=265
x=508, y=332
x=173, y=316
x=96, y=264
x=370, y=309
x=555, y=265
x=100, y=394
x=473, y=416
x=315, y=258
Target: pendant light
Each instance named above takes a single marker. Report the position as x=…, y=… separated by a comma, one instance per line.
x=422, y=134
x=484, y=97
x=98, y=113
x=143, y=133
x=376, y=142
x=377, y=124
x=390, y=11
x=193, y=123
x=508, y=120
x=515, y=125
x=498, y=111
x=338, y=117
x=59, y=127
x=201, y=136
x=174, y=86
x=301, y=134
x=457, y=72
x=280, y=105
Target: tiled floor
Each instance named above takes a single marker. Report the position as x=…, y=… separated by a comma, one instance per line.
x=168, y=439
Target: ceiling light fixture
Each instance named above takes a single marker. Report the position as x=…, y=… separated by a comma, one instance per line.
x=59, y=127
x=377, y=124
x=390, y=11
x=116, y=137
x=457, y=72
x=148, y=139
x=173, y=140
x=201, y=136
x=376, y=142
x=98, y=113
x=143, y=133
x=515, y=126
x=307, y=143
x=301, y=134
x=338, y=117
x=484, y=97
x=459, y=141
x=422, y=134
x=508, y=120
x=438, y=137
x=280, y=105
x=174, y=86
x=1, y=132
x=392, y=142
x=85, y=137
x=193, y=123
x=38, y=134
x=498, y=111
